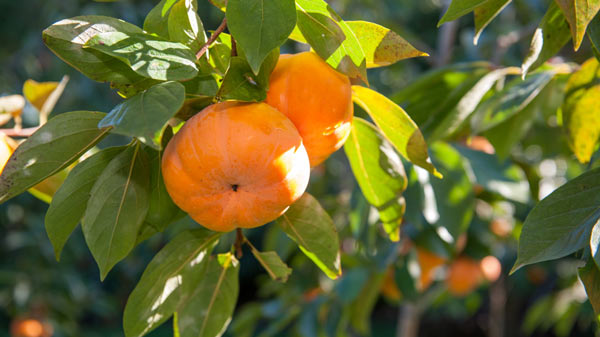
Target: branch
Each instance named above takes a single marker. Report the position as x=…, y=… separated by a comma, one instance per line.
x=212, y=38
x=239, y=241
x=19, y=132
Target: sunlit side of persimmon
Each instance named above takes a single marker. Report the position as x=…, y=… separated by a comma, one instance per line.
x=316, y=98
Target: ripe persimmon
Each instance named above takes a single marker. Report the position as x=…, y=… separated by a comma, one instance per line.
x=429, y=263
x=317, y=99
x=30, y=327
x=464, y=275
x=491, y=268
x=236, y=165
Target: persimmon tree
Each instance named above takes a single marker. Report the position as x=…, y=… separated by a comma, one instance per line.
x=420, y=173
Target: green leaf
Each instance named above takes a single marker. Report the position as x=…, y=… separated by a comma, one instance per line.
x=459, y=8
x=396, y=125
x=177, y=21
x=70, y=200
x=162, y=211
x=220, y=4
x=581, y=111
x=429, y=98
x=331, y=38
x=208, y=310
x=550, y=36
x=590, y=277
x=382, y=47
x=593, y=32
x=275, y=267
x=362, y=308
x=240, y=83
x=50, y=149
x=454, y=119
x=147, y=55
x=259, y=26
x=579, y=13
x=168, y=281
x=504, y=178
x=561, y=223
x=485, y=13
x=509, y=101
x=307, y=223
x=117, y=207
x=67, y=37
x=146, y=114
x=379, y=172
x=454, y=198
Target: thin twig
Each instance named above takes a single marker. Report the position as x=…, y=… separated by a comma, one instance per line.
x=19, y=132
x=212, y=38
x=233, y=47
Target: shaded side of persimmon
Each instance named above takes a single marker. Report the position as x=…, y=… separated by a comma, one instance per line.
x=317, y=99
x=236, y=165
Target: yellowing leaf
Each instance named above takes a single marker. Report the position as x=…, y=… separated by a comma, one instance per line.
x=38, y=92
x=581, y=110
x=12, y=104
x=579, y=13
x=382, y=46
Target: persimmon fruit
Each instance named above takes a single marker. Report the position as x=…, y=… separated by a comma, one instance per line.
x=30, y=327
x=236, y=165
x=464, y=275
x=491, y=268
x=429, y=263
x=316, y=98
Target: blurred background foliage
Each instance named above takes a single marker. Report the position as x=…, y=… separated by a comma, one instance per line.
x=541, y=300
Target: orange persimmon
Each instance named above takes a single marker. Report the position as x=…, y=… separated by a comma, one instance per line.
x=316, y=98
x=236, y=165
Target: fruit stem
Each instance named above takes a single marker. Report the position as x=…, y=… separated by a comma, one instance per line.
x=239, y=241
x=212, y=38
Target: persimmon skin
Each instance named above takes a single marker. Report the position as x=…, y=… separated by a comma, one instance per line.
x=236, y=165
x=429, y=263
x=464, y=276
x=317, y=99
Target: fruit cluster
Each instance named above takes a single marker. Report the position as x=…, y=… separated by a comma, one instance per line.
x=241, y=165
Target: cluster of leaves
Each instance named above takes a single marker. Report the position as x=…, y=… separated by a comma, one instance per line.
x=166, y=72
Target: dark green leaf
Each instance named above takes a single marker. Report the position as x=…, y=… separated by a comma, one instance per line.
x=451, y=121
x=331, y=38
x=454, y=197
x=117, y=207
x=220, y=4
x=561, y=223
x=148, y=55
x=203, y=85
x=169, y=280
x=362, y=307
x=67, y=37
x=509, y=101
x=459, y=8
x=50, y=149
x=259, y=26
x=503, y=178
x=396, y=125
x=590, y=277
x=379, y=172
x=275, y=267
x=162, y=210
x=207, y=311
x=146, y=114
x=70, y=200
x=382, y=47
x=241, y=84
x=593, y=32
x=550, y=36
x=485, y=13
x=307, y=223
